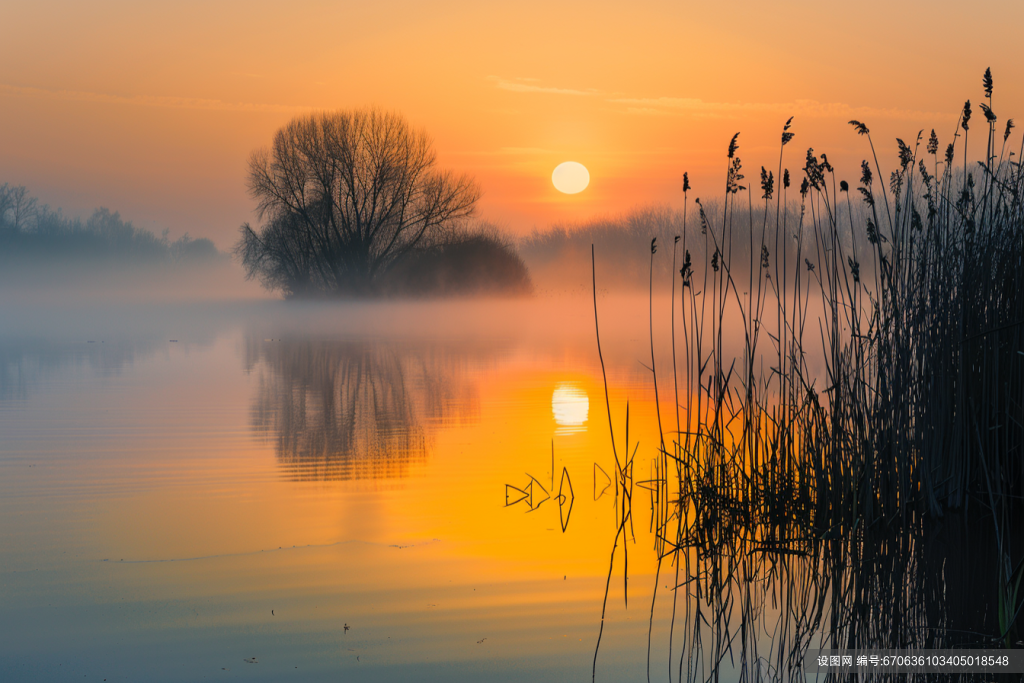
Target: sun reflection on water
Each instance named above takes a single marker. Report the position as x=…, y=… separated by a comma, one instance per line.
x=267, y=493
x=571, y=407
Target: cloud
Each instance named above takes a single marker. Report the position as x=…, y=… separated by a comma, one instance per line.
x=666, y=106
x=528, y=85
x=524, y=150
x=647, y=111
x=144, y=100
x=809, y=108
x=505, y=157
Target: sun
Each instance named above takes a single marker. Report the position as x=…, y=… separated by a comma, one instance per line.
x=570, y=177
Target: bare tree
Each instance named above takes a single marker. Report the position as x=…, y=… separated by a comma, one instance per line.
x=17, y=208
x=343, y=195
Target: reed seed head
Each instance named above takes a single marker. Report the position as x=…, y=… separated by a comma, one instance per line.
x=933, y=143
x=1009, y=127
x=924, y=173
x=687, y=270
x=767, y=183
x=895, y=183
x=735, y=176
x=703, y=218
x=865, y=173
x=734, y=145
x=966, y=118
x=854, y=269
x=860, y=127
x=906, y=154
x=815, y=172
x=786, y=135
x=986, y=81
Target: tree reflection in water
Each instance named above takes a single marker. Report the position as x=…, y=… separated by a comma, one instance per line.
x=24, y=363
x=356, y=409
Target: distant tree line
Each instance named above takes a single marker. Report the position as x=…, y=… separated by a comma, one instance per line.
x=352, y=205
x=559, y=257
x=30, y=230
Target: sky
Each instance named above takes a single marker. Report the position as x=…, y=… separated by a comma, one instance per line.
x=153, y=108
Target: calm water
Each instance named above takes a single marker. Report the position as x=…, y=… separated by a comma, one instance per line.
x=279, y=492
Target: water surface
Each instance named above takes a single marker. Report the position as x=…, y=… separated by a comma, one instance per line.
x=318, y=492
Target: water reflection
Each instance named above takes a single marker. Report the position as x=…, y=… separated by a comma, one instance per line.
x=356, y=409
x=26, y=362
x=184, y=471
x=750, y=591
x=755, y=607
x=570, y=406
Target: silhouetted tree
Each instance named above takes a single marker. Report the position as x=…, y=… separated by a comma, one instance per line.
x=343, y=196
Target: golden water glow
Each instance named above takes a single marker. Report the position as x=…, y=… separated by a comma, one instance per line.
x=210, y=495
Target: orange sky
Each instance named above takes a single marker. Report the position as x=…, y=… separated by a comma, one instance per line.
x=153, y=108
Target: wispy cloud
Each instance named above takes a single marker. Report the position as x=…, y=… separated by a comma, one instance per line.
x=530, y=85
x=516, y=151
x=810, y=108
x=668, y=106
x=511, y=154
x=144, y=100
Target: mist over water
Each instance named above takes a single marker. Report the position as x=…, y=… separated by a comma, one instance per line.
x=389, y=488
x=239, y=480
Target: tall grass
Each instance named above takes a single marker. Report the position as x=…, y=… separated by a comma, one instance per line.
x=828, y=471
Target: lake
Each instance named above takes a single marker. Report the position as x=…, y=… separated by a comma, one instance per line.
x=428, y=491
x=321, y=492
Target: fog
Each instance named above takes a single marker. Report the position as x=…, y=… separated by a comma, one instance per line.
x=559, y=259
x=48, y=257
x=99, y=291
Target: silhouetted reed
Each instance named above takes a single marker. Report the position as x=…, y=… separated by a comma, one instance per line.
x=848, y=473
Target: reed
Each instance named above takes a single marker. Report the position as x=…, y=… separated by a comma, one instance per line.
x=827, y=472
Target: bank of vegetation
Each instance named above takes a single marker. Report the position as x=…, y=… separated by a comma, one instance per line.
x=853, y=476
x=32, y=233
